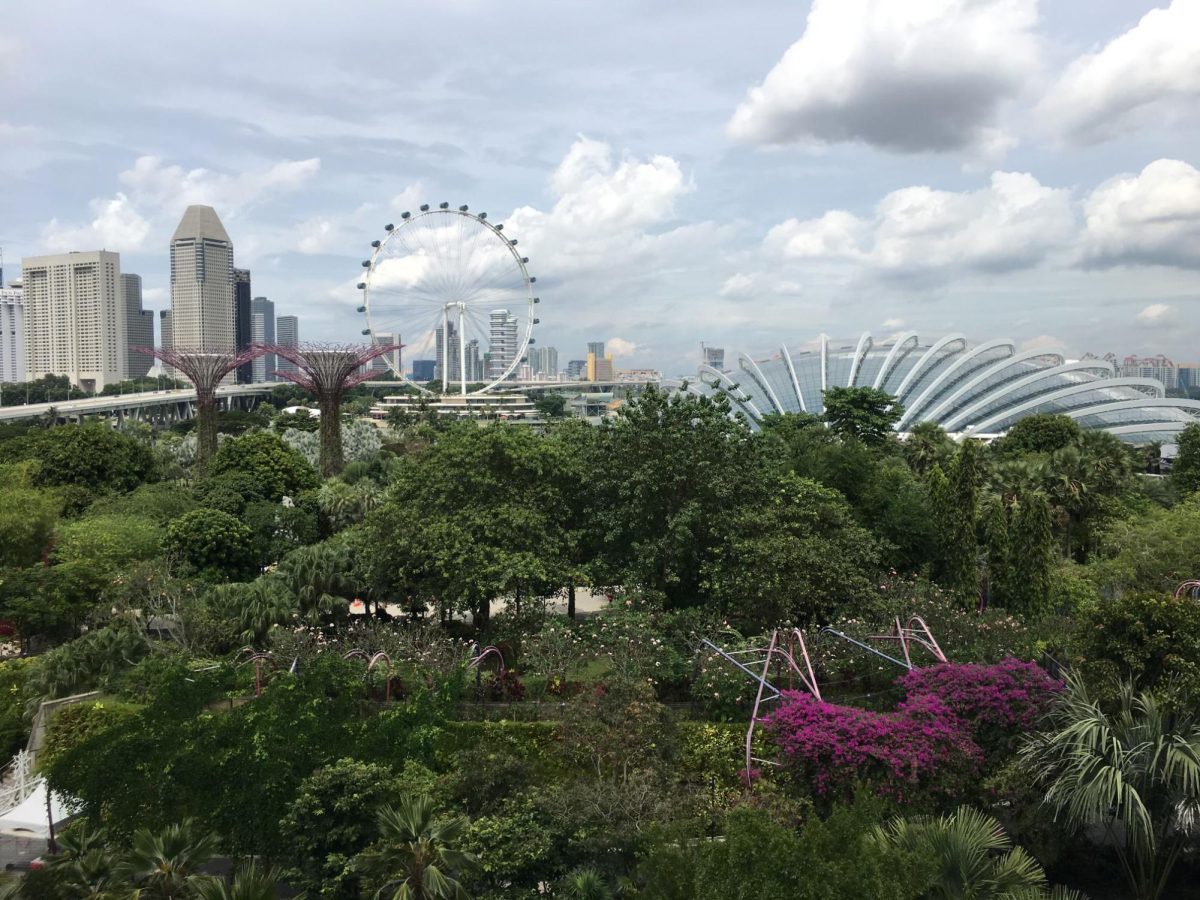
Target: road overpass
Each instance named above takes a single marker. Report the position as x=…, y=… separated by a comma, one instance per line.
x=154, y=406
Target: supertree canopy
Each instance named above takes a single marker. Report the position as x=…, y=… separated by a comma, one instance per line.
x=205, y=369
x=328, y=371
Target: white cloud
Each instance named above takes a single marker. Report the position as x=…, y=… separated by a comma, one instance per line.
x=893, y=323
x=409, y=198
x=1045, y=342
x=904, y=76
x=1149, y=218
x=738, y=285
x=317, y=235
x=115, y=225
x=1013, y=223
x=619, y=347
x=156, y=195
x=1151, y=70
x=1155, y=314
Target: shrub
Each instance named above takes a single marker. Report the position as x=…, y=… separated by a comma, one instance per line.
x=997, y=702
x=211, y=543
x=920, y=749
x=275, y=468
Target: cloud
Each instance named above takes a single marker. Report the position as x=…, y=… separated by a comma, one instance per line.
x=1015, y=222
x=738, y=285
x=618, y=347
x=1155, y=314
x=893, y=323
x=115, y=225
x=912, y=76
x=1045, y=342
x=1151, y=70
x=156, y=195
x=1150, y=218
x=409, y=198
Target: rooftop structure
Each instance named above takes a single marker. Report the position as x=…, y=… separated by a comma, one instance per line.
x=967, y=389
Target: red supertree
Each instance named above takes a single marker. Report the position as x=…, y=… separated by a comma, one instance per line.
x=329, y=370
x=205, y=369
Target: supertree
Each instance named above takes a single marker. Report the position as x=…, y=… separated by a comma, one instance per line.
x=205, y=369
x=329, y=370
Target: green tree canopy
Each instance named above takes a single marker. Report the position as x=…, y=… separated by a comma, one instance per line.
x=867, y=414
x=212, y=544
x=91, y=456
x=1186, y=469
x=277, y=470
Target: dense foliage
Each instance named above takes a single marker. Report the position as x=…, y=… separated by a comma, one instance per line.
x=367, y=682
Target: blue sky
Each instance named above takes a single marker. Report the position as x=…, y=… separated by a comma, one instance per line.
x=677, y=171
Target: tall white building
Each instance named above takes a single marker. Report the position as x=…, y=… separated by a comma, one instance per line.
x=258, y=335
x=202, y=292
x=75, y=321
x=139, y=326
x=447, y=330
x=264, y=367
x=502, y=343
x=390, y=361
x=12, y=334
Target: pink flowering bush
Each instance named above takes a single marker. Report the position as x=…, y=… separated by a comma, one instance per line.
x=919, y=750
x=996, y=702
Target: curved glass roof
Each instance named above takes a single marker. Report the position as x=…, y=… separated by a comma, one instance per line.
x=967, y=389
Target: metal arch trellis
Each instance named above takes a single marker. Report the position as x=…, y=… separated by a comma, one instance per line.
x=477, y=654
x=1189, y=588
x=798, y=662
x=260, y=658
x=372, y=661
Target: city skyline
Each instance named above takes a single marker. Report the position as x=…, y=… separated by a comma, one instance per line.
x=1023, y=179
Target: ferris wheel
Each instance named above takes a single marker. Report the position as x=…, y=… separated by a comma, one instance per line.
x=453, y=288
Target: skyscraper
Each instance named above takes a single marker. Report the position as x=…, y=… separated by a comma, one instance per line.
x=544, y=362
x=713, y=356
x=164, y=337
x=202, y=307
x=577, y=368
x=75, y=321
x=502, y=343
x=594, y=355
x=12, y=334
x=139, y=326
x=258, y=335
x=264, y=366
x=423, y=370
x=287, y=334
x=475, y=370
x=392, y=357
x=440, y=355
x=241, y=321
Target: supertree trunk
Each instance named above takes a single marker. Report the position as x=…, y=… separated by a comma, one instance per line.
x=328, y=371
x=205, y=370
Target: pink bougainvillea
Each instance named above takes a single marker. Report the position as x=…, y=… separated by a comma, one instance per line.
x=930, y=744
x=997, y=702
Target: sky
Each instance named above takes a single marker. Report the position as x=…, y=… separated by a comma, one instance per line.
x=677, y=171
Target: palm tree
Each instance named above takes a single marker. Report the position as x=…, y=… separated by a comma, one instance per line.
x=166, y=865
x=1135, y=773
x=250, y=882
x=316, y=577
x=416, y=856
x=972, y=855
x=255, y=607
x=96, y=875
x=586, y=884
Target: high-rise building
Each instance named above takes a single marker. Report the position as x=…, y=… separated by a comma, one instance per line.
x=713, y=356
x=139, y=326
x=264, y=366
x=447, y=333
x=12, y=334
x=475, y=369
x=544, y=363
x=164, y=337
x=242, y=311
x=502, y=343
x=596, y=347
x=576, y=368
x=1160, y=368
x=287, y=334
x=389, y=362
x=595, y=353
x=258, y=335
x=602, y=368
x=202, y=294
x=423, y=369
x=75, y=321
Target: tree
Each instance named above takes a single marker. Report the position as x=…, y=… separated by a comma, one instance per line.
x=334, y=817
x=1185, y=472
x=475, y=517
x=551, y=406
x=250, y=882
x=1135, y=772
x=166, y=864
x=1031, y=556
x=798, y=557
x=93, y=457
x=319, y=579
x=586, y=884
x=274, y=468
x=866, y=414
x=109, y=542
x=416, y=857
x=300, y=419
x=953, y=500
x=205, y=369
x=212, y=544
x=329, y=371
x=927, y=445
x=973, y=857
x=1039, y=433
x=254, y=608
x=27, y=520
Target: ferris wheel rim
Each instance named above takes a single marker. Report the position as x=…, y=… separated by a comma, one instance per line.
x=407, y=220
